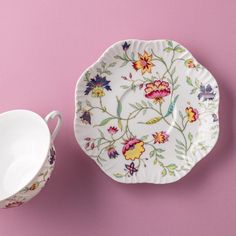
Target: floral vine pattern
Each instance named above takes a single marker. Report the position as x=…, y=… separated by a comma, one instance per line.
x=34, y=187
x=154, y=74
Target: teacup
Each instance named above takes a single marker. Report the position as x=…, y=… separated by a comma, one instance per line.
x=27, y=155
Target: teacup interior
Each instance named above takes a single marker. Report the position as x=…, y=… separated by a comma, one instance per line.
x=24, y=144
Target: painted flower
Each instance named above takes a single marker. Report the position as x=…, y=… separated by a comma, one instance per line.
x=157, y=90
x=112, y=153
x=86, y=117
x=34, y=186
x=131, y=168
x=192, y=114
x=125, y=46
x=206, y=93
x=189, y=63
x=52, y=156
x=133, y=149
x=14, y=204
x=112, y=130
x=97, y=86
x=144, y=63
x=215, y=117
x=160, y=137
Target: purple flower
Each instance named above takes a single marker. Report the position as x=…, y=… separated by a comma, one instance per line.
x=86, y=117
x=206, y=93
x=112, y=153
x=215, y=118
x=97, y=86
x=131, y=168
x=52, y=156
x=125, y=46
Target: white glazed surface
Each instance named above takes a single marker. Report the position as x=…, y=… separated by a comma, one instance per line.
x=26, y=156
x=96, y=113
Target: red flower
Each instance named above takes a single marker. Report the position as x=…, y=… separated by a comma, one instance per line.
x=112, y=130
x=133, y=149
x=14, y=204
x=157, y=90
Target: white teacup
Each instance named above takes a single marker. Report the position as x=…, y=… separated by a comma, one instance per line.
x=27, y=155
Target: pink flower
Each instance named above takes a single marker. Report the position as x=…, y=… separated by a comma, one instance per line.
x=112, y=130
x=157, y=90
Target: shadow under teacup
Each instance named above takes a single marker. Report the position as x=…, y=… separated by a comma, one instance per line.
x=27, y=155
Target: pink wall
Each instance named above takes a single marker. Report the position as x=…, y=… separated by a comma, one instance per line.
x=45, y=45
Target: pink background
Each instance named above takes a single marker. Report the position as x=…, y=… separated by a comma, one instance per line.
x=44, y=47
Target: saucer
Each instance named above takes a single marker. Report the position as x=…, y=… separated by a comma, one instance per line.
x=146, y=111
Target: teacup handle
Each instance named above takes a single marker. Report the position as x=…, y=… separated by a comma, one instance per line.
x=51, y=116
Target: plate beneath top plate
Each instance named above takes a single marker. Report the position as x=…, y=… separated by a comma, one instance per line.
x=146, y=111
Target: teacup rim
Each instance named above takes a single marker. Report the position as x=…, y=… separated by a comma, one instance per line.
x=46, y=155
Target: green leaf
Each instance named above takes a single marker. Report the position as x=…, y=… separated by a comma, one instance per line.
x=105, y=121
x=124, y=63
x=193, y=90
x=132, y=105
x=176, y=79
x=150, y=104
x=180, y=157
x=155, y=161
x=103, y=64
x=179, y=152
x=160, y=150
x=197, y=83
x=168, y=49
x=170, y=43
x=171, y=106
x=88, y=103
x=176, y=87
x=190, y=136
x=172, y=173
x=124, y=86
x=153, y=121
x=172, y=167
x=179, y=142
x=99, y=70
x=118, y=175
x=179, y=49
x=101, y=133
x=144, y=137
x=99, y=143
x=173, y=70
x=87, y=75
x=144, y=103
x=112, y=64
x=119, y=107
x=164, y=172
x=120, y=124
x=181, y=115
x=189, y=81
x=107, y=72
x=151, y=154
x=160, y=156
x=180, y=147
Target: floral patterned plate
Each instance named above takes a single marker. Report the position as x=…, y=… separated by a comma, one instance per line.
x=146, y=111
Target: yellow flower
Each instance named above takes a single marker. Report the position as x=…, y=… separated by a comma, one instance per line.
x=160, y=137
x=192, y=114
x=34, y=186
x=144, y=63
x=98, y=92
x=133, y=149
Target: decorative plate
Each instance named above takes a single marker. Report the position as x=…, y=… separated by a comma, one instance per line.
x=146, y=111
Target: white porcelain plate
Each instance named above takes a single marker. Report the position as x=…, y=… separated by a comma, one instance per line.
x=146, y=111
